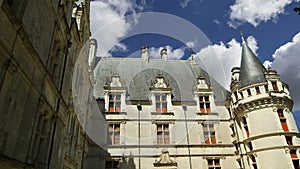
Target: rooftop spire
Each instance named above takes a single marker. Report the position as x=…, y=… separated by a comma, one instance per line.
x=252, y=71
x=242, y=36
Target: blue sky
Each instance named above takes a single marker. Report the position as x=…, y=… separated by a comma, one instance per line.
x=271, y=27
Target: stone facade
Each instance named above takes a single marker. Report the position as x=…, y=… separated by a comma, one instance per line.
x=39, y=45
x=171, y=114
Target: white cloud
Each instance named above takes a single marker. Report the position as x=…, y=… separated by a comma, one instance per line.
x=190, y=44
x=219, y=59
x=286, y=63
x=173, y=54
x=184, y=3
x=108, y=23
x=256, y=11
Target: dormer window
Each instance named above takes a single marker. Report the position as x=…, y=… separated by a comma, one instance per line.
x=204, y=104
x=114, y=102
x=161, y=103
x=114, y=95
x=161, y=96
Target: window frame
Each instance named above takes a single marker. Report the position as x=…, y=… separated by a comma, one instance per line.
x=113, y=136
x=209, y=133
x=161, y=102
x=204, y=103
x=114, y=101
x=214, y=163
x=163, y=134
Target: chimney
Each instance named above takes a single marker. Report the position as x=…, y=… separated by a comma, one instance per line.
x=163, y=54
x=144, y=51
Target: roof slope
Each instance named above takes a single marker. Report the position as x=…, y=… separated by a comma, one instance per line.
x=252, y=71
x=137, y=75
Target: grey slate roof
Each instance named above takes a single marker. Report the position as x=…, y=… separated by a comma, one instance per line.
x=252, y=71
x=138, y=75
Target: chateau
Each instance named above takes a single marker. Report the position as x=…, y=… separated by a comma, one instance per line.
x=62, y=107
x=164, y=113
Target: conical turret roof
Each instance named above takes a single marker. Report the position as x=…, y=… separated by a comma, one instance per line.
x=252, y=71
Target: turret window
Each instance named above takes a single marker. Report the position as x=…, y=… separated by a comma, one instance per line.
x=293, y=154
x=114, y=102
x=257, y=90
x=289, y=140
x=249, y=92
x=161, y=103
x=209, y=134
x=266, y=88
x=274, y=85
x=246, y=126
x=253, y=161
x=204, y=104
x=282, y=120
x=295, y=159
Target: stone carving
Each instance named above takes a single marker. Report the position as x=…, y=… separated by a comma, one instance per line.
x=164, y=159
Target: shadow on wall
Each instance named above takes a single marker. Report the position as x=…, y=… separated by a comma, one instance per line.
x=128, y=163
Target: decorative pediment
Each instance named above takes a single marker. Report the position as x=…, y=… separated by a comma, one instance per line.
x=159, y=82
x=201, y=83
x=114, y=82
x=164, y=160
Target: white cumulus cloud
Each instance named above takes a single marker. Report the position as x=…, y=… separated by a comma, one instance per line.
x=219, y=59
x=286, y=63
x=109, y=24
x=256, y=11
x=184, y=3
x=173, y=54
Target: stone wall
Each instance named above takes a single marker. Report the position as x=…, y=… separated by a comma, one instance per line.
x=39, y=43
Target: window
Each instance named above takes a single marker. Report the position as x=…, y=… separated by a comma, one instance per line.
x=240, y=164
x=257, y=90
x=213, y=163
x=163, y=135
x=266, y=88
x=284, y=125
x=293, y=154
x=280, y=113
x=249, y=92
x=113, y=134
x=282, y=120
x=161, y=103
x=253, y=161
x=236, y=96
x=275, y=87
x=204, y=104
x=296, y=163
x=114, y=102
x=289, y=140
x=246, y=126
x=209, y=134
x=114, y=164
x=250, y=146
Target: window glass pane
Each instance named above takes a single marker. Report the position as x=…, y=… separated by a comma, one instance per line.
x=157, y=98
x=206, y=98
x=163, y=97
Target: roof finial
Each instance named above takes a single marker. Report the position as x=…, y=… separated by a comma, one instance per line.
x=191, y=50
x=242, y=36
